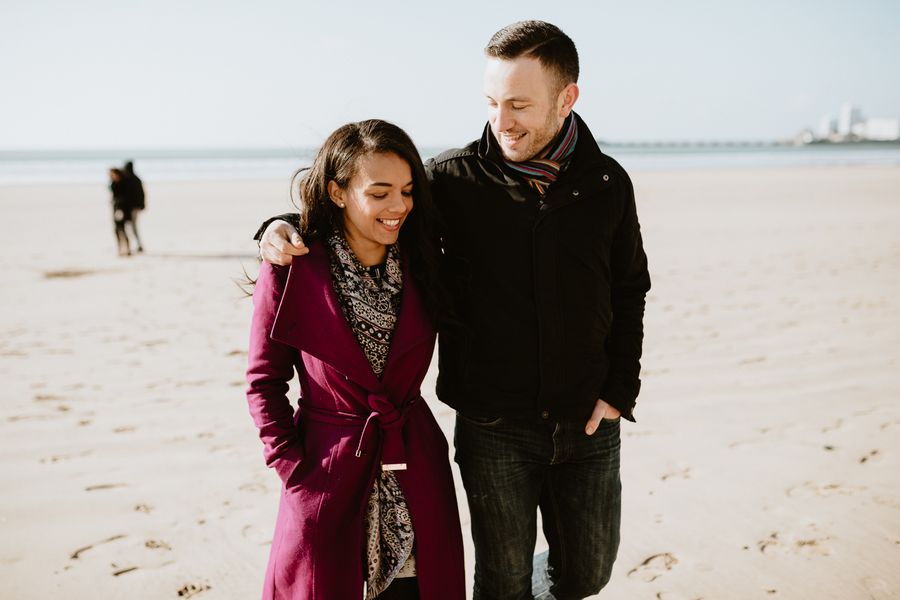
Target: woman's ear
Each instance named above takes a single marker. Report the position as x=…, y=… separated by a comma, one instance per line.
x=336, y=193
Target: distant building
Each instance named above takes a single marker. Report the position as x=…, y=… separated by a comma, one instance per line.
x=827, y=128
x=850, y=126
x=850, y=116
x=882, y=130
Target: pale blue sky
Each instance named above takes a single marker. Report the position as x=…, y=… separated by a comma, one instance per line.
x=166, y=74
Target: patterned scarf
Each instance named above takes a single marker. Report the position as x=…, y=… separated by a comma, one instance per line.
x=370, y=302
x=540, y=173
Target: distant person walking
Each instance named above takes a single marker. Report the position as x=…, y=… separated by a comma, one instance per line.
x=121, y=210
x=134, y=195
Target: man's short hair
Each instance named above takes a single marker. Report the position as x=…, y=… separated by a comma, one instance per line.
x=537, y=39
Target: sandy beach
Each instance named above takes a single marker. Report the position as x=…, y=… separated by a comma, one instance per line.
x=765, y=463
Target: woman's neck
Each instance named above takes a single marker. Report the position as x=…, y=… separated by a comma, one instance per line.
x=368, y=253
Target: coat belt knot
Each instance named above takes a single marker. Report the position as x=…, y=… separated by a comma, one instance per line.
x=390, y=420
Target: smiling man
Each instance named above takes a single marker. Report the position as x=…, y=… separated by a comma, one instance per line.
x=546, y=274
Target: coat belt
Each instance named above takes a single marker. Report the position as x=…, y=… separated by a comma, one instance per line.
x=383, y=415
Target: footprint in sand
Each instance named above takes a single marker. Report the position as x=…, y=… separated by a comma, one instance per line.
x=684, y=473
x=674, y=596
x=143, y=508
x=254, y=487
x=255, y=534
x=46, y=398
x=653, y=567
x=192, y=383
x=869, y=456
x=878, y=589
x=77, y=553
x=104, y=486
x=192, y=589
x=887, y=501
x=157, y=545
x=124, y=429
x=59, y=457
x=810, y=488
x=805, y=546
x=67, y=273
x=834, y=426
x=752, y=360
x=15, y=418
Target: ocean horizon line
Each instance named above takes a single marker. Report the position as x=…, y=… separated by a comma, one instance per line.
x=259, y=152
x=181, y=164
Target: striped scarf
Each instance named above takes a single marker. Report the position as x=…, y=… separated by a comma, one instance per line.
x=540, y=173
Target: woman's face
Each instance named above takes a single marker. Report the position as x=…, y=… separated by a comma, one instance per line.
x=375, y=202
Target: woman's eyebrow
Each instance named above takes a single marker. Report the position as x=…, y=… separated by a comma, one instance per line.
x=385, y=184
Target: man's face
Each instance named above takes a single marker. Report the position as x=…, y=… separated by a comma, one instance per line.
x=525, y=106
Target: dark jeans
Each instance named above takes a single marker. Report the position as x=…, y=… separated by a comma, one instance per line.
x=511, y=467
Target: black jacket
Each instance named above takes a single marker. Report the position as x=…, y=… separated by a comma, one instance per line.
x=547, y=293
x=134, y=191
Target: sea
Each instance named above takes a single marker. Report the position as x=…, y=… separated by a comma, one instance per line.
x=91, y=166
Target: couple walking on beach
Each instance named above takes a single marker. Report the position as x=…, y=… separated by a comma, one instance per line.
x=522, y=252
x=127, y=203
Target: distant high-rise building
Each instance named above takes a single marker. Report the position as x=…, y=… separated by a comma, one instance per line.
x=851, y=127
x=827, y=128
x=850, y=116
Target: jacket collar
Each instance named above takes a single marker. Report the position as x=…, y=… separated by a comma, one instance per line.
x=310, y=319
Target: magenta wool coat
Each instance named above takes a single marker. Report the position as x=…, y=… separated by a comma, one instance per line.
x=347, y=425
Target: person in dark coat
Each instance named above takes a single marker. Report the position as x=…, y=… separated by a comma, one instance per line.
x=367, y=496
x=121, y=208
x=545, y=271
x=134, y=194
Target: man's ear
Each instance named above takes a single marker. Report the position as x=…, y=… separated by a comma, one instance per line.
x=568, y=96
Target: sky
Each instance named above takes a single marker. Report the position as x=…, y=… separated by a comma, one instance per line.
x=97, y=74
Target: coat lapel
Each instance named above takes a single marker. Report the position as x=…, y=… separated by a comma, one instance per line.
x=310, y=319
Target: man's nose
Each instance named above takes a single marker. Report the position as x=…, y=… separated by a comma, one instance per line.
x=504, y=120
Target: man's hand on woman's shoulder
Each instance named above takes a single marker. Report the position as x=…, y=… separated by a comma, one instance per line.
x=280, y=243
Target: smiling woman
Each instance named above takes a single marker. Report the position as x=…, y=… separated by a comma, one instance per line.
x=361, y=459
x=377, y=201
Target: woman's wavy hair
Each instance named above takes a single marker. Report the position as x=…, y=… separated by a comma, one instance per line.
x=338, y=160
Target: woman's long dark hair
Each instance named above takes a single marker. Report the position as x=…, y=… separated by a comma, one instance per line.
x=338, y=160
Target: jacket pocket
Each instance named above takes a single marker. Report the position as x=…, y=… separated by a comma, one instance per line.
x=288, y=463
